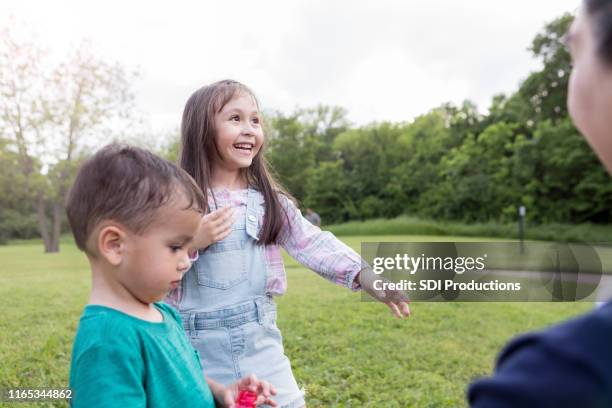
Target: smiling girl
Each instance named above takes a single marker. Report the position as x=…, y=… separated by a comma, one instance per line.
x=226, y=298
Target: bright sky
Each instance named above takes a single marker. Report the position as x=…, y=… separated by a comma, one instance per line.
x=381, y=60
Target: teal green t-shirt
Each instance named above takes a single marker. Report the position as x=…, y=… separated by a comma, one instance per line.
x=121, y=361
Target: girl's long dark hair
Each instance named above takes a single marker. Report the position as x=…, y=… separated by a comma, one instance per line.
x=198, y=148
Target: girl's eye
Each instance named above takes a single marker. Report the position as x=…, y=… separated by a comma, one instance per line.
x=234, y=117
x=175, y=248
x=256, y=120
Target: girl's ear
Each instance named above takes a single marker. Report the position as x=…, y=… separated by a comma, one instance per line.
x=111, y=244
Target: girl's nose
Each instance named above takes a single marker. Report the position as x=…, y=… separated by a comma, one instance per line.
x=248, y=128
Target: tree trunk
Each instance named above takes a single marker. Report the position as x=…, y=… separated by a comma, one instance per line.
x=41, y=215
x=58, y=211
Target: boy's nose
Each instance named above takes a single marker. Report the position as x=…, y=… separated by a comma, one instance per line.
x=184, y=264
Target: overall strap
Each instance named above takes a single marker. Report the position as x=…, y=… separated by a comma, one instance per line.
x=252, y=221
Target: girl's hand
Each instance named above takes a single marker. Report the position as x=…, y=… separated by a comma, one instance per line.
x=263, y=389
x=214, y=227
x=396, y=300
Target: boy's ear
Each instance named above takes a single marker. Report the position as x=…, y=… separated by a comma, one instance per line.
x=111, y=244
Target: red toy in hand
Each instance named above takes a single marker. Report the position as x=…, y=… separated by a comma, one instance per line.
x=246, y=399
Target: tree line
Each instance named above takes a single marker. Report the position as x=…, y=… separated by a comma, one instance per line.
x=451, y=163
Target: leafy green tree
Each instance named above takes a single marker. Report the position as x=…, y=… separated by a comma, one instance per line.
x=569, y=184
x=546, y=90
x=471, y=185
x=288, y=153
x=327, y=192
x=299, y=141
x=49, y=112
x=369, y=154
x=422, y=144
x=17, y=211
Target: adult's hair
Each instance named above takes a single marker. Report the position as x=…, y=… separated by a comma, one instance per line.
x=128, y=185
x=198, y=150
x=600, y=13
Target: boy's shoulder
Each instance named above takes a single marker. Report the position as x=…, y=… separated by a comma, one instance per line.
x=169, y=310
x=112, y=328
x=100, y=325
x=134, y=361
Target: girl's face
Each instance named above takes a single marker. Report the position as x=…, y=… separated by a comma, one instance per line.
x=590, y=89
x=239, y=133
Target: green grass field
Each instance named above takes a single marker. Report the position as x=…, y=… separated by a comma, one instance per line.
x=345, y=352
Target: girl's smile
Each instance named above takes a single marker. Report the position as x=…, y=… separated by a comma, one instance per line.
x=239, y=133
x=244, y=148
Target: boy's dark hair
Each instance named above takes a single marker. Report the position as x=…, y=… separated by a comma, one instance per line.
x=125, y=184
x=600, y=11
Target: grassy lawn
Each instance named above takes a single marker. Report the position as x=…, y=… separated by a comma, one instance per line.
x=344, y=352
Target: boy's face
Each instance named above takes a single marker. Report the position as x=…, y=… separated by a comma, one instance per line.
x=590, y=89
x=154, y=262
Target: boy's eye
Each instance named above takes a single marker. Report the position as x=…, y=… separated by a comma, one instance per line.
x=175, y=248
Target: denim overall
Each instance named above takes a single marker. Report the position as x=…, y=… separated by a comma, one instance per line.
x=227, y=315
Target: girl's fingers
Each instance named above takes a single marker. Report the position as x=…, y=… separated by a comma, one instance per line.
x=229, y=219
x=394, y=309
x=405, y=308
x=219, y=213
x=399, y=309
x=223, y=231
x=212, y=216
x=221, y=227
x=220, y=216
x=221, y=222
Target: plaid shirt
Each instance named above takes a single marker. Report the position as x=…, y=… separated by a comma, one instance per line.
x=319, y=250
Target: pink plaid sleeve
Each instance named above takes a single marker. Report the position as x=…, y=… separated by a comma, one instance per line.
x=276, y=276
x=319, y=250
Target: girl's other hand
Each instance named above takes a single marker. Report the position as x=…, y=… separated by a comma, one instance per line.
x=396, y=300
x=214, y=227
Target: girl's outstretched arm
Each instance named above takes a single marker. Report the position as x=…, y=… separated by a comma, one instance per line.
x=318, y=250
x=325, y=254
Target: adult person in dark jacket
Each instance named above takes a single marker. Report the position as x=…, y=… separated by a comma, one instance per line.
x=569, y=365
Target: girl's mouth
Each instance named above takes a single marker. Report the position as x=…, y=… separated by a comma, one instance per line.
x=244, y=148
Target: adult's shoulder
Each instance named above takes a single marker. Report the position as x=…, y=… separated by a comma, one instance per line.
x=569, y=364
x=584, y=336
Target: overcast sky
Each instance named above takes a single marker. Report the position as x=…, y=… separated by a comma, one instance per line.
x=381, y=60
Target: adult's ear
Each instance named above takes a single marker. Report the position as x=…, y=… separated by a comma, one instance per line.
x=111, y=243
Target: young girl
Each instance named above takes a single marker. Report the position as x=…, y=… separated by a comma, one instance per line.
x=226, y=298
